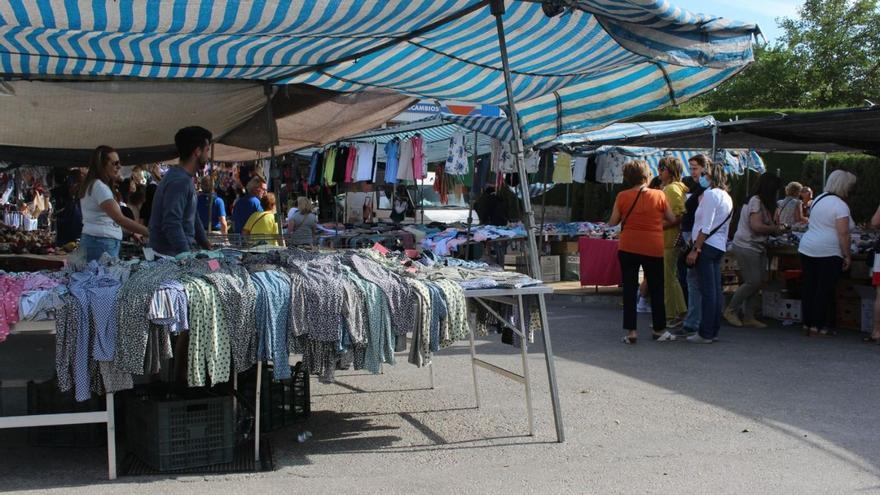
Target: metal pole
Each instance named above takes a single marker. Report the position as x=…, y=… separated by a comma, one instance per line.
x=824, y=171
x=497, y=8
x=211, y=200
x=471, y=199
x=544, y=206
x=714, y=141
x=273, y=137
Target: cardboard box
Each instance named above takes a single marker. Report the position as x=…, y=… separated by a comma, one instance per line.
x=860, y=270
x=846, y=290
x=770, y=302
x=867, y=294
x=789, y=310
x=564, y=247
x=849, y=315
x=729, y=263
x=550, y=271
x=571, y=267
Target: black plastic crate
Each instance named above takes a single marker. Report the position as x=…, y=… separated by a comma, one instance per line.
x=45, y=398
x=282, y=403
x=174, y=434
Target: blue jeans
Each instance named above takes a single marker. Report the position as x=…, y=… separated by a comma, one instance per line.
x=709, y=273
x=96, y=246
x=694, y=297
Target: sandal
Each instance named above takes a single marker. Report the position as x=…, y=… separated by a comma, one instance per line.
x=629, y=340
x=871, y=340
x=826, y=332
x=657, y=335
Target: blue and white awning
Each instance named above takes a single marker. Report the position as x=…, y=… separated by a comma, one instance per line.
x=621, y=132
x=600, y=62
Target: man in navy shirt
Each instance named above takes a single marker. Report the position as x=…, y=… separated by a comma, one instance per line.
x=174, y=225
x=250, y=204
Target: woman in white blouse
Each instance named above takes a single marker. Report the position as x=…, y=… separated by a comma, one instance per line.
x=710, y=232
x=103, y=220
x=825, y=250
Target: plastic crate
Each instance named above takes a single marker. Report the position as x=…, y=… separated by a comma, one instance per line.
x=45, y=398
x=175, y=434
x=282, y=403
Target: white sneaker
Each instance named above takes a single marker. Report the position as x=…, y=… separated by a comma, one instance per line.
x=697, y=339
x=666, y=337
x=644, y=305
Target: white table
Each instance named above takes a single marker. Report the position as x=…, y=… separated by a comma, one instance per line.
x=514, y=297
x=106, y=416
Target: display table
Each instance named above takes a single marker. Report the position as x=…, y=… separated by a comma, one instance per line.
x=32, y=262
x=599, y=263
x=514, y=297
x=105, y=416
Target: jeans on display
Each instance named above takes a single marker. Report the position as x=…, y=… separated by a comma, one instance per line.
x=753, y=268
x=709, y=274
x=653, y=267
x=820, y=281
x=96, y=246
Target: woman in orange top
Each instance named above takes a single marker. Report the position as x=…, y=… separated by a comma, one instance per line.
x=642, y=213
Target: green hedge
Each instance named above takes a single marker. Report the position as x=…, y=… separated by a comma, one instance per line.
x=864, y=199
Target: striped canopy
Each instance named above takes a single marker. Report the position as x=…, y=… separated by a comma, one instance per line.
x=599, y=62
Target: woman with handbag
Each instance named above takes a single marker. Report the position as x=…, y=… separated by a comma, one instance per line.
x=710, y=232
x=874, y=338
x=825, y=250
x=641, y=213
x=671, y=169
x=756, y=222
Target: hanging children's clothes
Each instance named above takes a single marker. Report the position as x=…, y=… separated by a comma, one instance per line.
x=562, y=172
x=405, y=166
x=329, y=166
x=350, y=165
x=341, y=162
x=580, y=170
x=420, y=168
x=366, y=161
x=392, y=149
x=456, y=157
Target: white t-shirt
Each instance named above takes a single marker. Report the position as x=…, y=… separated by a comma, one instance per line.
x=820, y=241
x=715, y=207
x=95, y=222
x=291, y=212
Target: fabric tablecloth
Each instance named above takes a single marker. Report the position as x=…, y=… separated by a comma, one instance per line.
x=599, y=263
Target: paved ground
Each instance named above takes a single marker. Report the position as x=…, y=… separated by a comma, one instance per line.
x=759, y=412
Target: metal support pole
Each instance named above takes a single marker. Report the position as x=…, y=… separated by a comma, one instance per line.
x=474, y=365
x=273, y=138
x=111, y=437
x=524, y=350
x=431, y=373
x=824, y=171
x=210, y=200
x=257, y=414
x=714, y=142
x=544, y=206
x=471, y=199
x=497, y=8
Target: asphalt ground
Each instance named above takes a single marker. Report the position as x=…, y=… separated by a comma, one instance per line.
x=760, y=411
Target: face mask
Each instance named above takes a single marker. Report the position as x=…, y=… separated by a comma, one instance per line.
x=704, y=182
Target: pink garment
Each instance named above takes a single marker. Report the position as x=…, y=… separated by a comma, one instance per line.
x=419, y=169
x=350, y=164
x=11, y=288
x=599, y=263
x=39, y=281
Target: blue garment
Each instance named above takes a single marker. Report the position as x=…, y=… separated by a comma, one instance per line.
x=174, y=225
x=95, y=291
x=709, y=273
x=243, y=209
x=392, y=161
x=694, y=296
x=317, y=157
x=439, y=311
x=218, y=210
x=97, y=246
x=273, y=311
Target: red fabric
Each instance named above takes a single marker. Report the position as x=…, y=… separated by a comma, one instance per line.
x=599, y=263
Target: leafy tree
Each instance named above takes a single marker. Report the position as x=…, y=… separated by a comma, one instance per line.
x=828, y=56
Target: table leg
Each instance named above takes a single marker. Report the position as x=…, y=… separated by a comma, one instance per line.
x=431, y=373
x=551, y=369
x=474, y=365
x=257, y=415
x=111, y=437
x=524, y=350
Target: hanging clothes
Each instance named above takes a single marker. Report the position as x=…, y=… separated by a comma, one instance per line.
x=273, y=310
x=392, y=150
x=405, y=169
x=562, y=171
x=350, y=165
x=420, y=168
x=366, y=162
x=329, y=166
x=579, y=174
x=456, y=156
x=440, y=186
x=340, y=163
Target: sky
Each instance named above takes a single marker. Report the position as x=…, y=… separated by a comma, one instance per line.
x=761, y=12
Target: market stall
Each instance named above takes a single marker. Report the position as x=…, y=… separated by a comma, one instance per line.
x=441, y=47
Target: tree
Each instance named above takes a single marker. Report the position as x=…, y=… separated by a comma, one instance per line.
x=828, y=56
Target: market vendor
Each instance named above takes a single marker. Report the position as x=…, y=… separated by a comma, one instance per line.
x=791, y=208
x=174, y=225
x=102, y=217
x=874, y=338
x=806, y=201
x=250, y=204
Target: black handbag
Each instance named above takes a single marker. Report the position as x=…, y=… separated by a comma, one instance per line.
x=690, y=245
